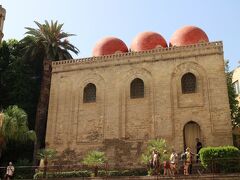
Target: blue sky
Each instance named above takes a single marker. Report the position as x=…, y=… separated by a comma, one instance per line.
x=92, y=20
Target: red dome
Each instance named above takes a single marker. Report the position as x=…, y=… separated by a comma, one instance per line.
x=188, y=35
x=147, y=40
x=109, y=45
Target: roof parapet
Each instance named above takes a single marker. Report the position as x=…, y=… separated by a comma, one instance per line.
x=105, y=58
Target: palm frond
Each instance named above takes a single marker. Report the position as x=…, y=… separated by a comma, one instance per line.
x=94, y=158
x=50, y=40
x=46, y=154
x=15, y=125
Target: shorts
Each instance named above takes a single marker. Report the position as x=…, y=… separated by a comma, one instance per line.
x=9, y=176
x=166, y=164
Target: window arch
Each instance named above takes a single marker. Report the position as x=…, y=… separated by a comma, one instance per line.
x=89, y=93
x=137, y=88
x=188, y=83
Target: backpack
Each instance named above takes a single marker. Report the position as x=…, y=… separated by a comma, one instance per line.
x=183, y=156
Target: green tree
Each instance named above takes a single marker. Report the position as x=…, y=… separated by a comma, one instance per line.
x=15, y=127
x=95, y=159
x=158, y=145
x=18, y=85
x=46, y=43
x=232, y=96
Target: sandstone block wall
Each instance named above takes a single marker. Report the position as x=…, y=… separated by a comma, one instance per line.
x=121, y=126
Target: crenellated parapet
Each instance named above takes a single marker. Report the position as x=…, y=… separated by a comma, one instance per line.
x=156, y=54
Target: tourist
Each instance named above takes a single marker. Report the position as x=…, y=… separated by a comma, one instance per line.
x=174, y=162
x=151, y=160
x=198, y=147
x=155, y=162
x=10, y=171
x=166, y=164
x=188, y=162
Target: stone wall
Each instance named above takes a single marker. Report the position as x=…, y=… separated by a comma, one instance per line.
x=121, y=126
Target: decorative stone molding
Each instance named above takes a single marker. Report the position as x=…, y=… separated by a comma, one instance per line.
x=165, y=53
x=201, y=76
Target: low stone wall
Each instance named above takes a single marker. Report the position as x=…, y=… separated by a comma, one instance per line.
x=123, y=153
x=120, y=153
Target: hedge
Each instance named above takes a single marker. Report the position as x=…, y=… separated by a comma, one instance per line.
x=130, y=172
x=68, y=174
x=102, y=173
x=221, y=159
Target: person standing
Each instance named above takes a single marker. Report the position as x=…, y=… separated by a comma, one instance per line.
x=10, y=171
x=166, y=164
x=174, y=162
x=198, y=148
x=156, y=162
x=188, y=162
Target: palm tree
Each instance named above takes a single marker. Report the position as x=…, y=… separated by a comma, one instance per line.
x=15, y=127
x=94, y=159
x=50, y=41
x=46, y=43
x=158, y=145
x=46, y=155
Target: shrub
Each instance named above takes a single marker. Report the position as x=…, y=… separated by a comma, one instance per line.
x=69, y=174
x=159, y=145
x=135, y=172
x=95, y=159
x=102, y=173
x=23, y=169
x=221, y=159
x=130, y=172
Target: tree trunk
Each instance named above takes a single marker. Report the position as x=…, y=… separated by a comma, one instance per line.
x=45, y=168
x=95, y=171
x=2, y=144
x=1, y=136
x=42, y=108
x=1, y=149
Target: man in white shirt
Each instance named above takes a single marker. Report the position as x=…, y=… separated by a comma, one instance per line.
x=10, y=171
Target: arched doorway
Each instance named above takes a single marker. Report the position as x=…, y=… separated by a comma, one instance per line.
x=191, y=131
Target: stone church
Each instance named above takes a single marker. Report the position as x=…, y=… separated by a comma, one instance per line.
x=120, y=98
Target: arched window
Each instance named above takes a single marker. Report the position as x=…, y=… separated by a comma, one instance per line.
x=188, y=83
x=89, y=93
x=137, y=88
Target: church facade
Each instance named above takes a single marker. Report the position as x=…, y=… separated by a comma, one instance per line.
x=117, y=101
